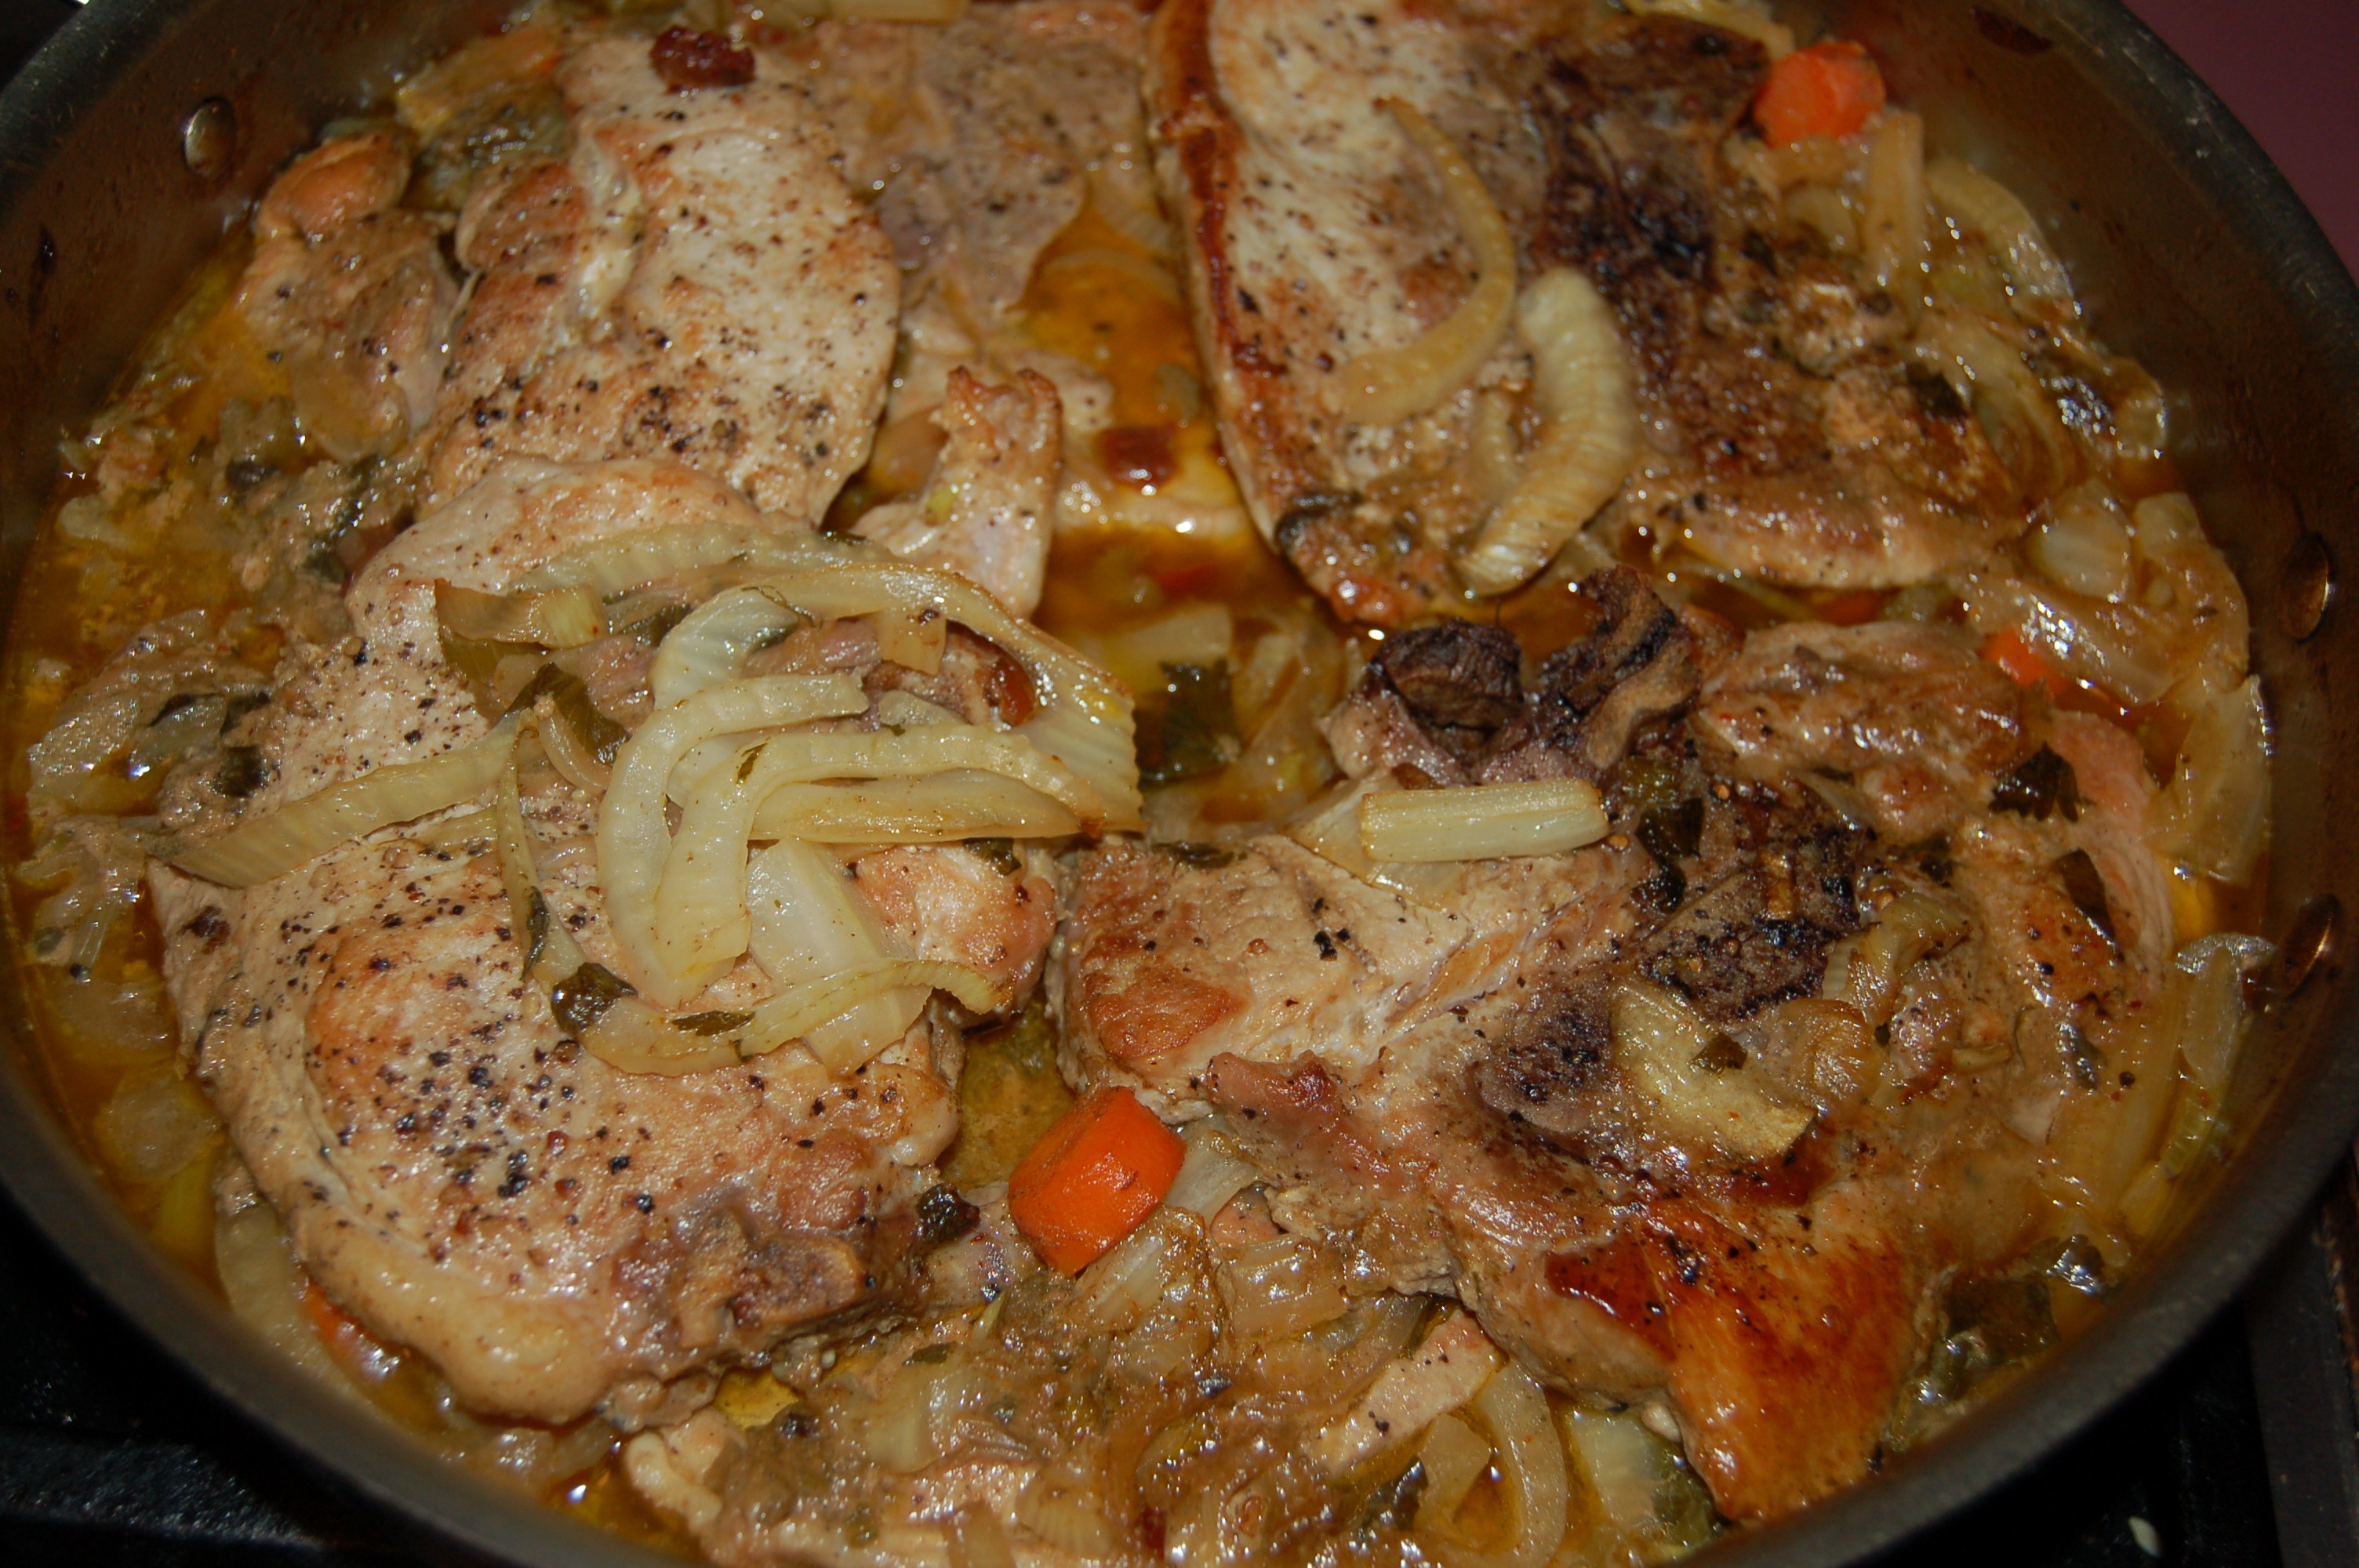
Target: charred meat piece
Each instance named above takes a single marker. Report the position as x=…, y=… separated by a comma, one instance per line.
x=1638, y=663
x=1456, y=673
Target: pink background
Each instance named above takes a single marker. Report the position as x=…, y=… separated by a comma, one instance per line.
x=2290, y=70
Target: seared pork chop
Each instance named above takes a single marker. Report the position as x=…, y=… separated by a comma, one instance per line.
x=1711, y=1109
x=1783, y=436
x=453, y=1168
x=981, y=139
x=351, y=295
x=693, y=281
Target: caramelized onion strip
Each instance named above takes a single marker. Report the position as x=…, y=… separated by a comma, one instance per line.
x=1589, y=429
x=262, y=847
x=633, y=832
x=1384, y=386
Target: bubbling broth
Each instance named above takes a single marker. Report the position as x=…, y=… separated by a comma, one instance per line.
x=1578, y=800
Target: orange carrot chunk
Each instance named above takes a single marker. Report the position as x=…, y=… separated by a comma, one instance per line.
x=2020, y=660
x=1091, y=1178
x=1828, y=89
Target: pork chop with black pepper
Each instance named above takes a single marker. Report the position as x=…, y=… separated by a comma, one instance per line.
x=1706, y=1113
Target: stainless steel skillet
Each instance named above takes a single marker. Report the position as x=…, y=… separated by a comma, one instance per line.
x=146, y=125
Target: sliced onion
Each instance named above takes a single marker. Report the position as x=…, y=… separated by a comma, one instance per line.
x=563, y=745
x=712, y=644
x=1979, y=202
x=2014, y=409
x=2083, y=544
x=613, y=566
x=632, y=1037
x=1453, y=1459
x=262, y=847
x=1282, y=1285
x=1456, y=1362
x=1332, y=831
x=701, y=921
x=1084, y=718
x=1868, y=969
x=2114, y=646
x=556, y=618
x=550, y=951
x=1211, y=1172
x=799, y=1010
x=1663, y=1045
x=809, y=925
x=634, y=834
x=264, y=1282
x=2214, y=815
x=1589, y=430
x=794, y=1012
x=1480, y=822
x=1384, y=386
x=1892, y=236
x=919, y=754
x=944, y=809
x=1532, y=1459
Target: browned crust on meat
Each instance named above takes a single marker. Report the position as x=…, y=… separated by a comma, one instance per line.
x=1255, y=395
x=1159, y=1014
x=1782, y=1350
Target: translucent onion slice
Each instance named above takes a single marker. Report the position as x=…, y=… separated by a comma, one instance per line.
x=2017, y=412
x=633, y=833
x=712, y=644
x=1977, y=201
x=945, y=809
x=1084, y=718
x=700, y=921
x=1214, y=1172
x=1531, y=1458
x=632, y=1037
x=1453, y=1459
x=794, y=1012
x=2214, y=815
x=1384, y=386
x=550, y=951
x=556, y=618
x=919, y=753
x=262, y=847
x=1893, y=234
x=613, y=567
x=809, y=925
x=1479, y=822
x=1454, y=1364
x=625, y=1033
x=1589, y=430
x=1663, y=1045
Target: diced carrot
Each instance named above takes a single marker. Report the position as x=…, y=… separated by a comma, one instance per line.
x=1828, y=89
x=2021, y=661
x=1093, y=1178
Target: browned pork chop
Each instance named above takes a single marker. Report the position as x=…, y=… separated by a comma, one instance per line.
x=453, y=1170
x=1612, y=1099
x=1783, y=434
x=693, y=281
